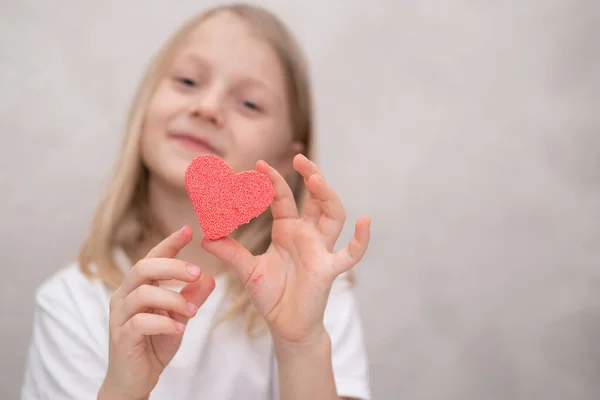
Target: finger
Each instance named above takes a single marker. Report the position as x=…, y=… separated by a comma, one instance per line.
x=307, y=168
x=146, y=297
x=349, y=256
x=172, y=244
x=333, y=215
x=196, y=293
x=145, y=324
x=147, y=271
x=284, y=204
x=233, y=253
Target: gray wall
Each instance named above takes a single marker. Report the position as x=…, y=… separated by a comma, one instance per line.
x=468, y=130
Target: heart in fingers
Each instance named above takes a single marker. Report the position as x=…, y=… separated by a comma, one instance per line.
x=224, y=200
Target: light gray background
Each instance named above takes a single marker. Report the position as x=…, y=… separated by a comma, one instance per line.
x=468, y=130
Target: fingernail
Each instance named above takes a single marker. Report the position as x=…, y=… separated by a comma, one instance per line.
x=180, y=326
x=193, y=270
x=192, y=308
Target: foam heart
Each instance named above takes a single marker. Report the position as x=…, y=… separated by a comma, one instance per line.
x=223, y=199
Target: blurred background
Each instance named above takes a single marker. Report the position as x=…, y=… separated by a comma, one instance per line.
x=468, y=130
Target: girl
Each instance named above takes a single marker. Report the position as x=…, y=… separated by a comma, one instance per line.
x=262, y=314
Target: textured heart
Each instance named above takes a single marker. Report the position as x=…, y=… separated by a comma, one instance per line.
x=223, y=199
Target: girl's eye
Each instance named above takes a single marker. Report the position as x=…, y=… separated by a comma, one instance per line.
x=186, y=82
x=252, y=106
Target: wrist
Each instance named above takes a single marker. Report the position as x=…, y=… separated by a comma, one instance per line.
x=316, y=343
x=110, y=392
x=304, y=367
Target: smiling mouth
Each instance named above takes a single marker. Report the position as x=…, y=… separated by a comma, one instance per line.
x=194, y=144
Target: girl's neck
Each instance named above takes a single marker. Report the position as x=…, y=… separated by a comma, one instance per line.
x=173, y=209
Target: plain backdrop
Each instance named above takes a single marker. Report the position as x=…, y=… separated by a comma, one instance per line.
x=467, y=130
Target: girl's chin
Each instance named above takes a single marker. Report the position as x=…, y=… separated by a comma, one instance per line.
x=168, y=179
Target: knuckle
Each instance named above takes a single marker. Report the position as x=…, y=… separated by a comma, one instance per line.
x=135, y=322
x=169, y=247
x=143, y=293
x=181, y=303
x=234, y=258
x=136, y=270
x=172, y=247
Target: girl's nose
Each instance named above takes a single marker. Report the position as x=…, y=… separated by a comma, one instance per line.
x=208, y=106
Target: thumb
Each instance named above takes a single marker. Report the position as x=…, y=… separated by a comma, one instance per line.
x=234, y=254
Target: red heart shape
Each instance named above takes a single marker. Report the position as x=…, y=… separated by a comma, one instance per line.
x=222, y=199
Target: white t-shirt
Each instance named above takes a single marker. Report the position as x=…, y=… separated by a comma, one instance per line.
x=68, y=353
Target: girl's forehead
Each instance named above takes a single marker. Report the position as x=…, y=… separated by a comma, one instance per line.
x=227, y=43
x=221, y=29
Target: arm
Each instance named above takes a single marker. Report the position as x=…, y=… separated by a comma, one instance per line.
x=76, y=353
x=305, y=370
x=290, y=283
x=340, y=355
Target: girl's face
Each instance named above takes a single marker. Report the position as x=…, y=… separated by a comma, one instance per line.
x=224, y=94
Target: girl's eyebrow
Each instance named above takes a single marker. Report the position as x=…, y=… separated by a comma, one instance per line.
x=194, y=58
x=252, y=81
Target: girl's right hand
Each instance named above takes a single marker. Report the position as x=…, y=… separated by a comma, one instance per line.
x=147, y=322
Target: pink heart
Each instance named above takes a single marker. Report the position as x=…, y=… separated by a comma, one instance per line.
x=223, y=199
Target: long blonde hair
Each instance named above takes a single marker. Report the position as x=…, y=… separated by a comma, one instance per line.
x=122, y=219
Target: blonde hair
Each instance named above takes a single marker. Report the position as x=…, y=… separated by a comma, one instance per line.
x=122, y=219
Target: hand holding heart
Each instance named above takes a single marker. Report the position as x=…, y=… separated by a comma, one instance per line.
x=289, y=284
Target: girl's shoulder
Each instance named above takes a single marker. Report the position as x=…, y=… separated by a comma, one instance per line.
x=70, y=285
x=69, y=290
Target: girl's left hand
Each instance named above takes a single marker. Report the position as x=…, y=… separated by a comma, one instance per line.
x=290, y=283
